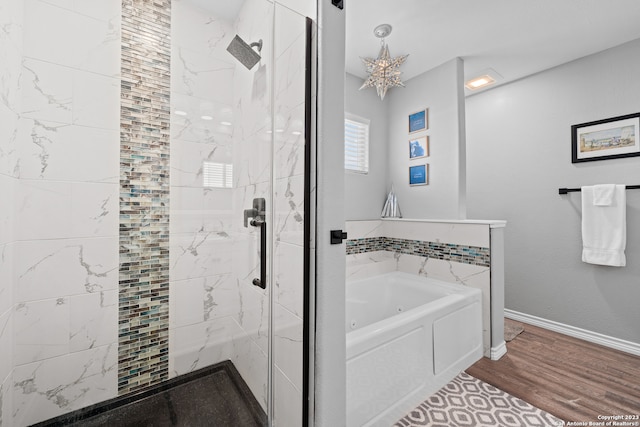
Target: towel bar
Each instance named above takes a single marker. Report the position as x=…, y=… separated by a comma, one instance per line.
x=573, y=190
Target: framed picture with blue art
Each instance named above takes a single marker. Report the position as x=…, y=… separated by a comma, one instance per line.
x=418, y=121
x=419, y=175
x=418, y=147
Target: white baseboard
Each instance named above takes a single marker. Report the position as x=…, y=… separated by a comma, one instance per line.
x=572, y=331
x=499, y=351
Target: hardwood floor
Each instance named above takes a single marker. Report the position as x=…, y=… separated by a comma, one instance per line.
x=570, y=378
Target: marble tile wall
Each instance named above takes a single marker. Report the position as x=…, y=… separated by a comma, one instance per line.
x=11, y=23
x=204, y=295
x=65, y=158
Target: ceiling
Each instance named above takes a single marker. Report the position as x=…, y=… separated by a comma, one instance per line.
x=515, y=38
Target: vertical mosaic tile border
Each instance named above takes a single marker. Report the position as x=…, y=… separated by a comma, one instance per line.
x=143, y=316
x=473, y=255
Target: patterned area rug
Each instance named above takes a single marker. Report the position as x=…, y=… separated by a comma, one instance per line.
x=467, y=401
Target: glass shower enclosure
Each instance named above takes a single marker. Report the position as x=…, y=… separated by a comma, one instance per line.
x=153, y=158
x=237, y=189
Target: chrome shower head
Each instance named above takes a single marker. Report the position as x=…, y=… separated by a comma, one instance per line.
x=243, y=52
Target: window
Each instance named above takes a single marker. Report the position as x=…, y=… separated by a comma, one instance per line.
x=356, y=144
x=217, y=175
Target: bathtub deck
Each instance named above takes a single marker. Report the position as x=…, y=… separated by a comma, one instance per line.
x=570, y=378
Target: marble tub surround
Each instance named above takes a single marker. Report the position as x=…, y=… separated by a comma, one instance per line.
x=444, y=251
x=462, y=242
x=465, y=252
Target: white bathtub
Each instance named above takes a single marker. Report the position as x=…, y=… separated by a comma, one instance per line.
x=407, y=336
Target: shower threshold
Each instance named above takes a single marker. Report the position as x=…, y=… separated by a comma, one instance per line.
x=212, y=396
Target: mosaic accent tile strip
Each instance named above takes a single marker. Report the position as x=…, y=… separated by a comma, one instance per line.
x=474, y=255
x=143, y=332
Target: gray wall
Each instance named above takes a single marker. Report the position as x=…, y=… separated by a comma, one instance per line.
x=365, y=193
x=439, y=90
x=518, y=155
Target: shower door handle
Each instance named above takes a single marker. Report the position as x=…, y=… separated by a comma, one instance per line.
x=262, y=281
x=257, y=214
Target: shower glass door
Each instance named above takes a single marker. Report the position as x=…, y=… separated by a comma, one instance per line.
x=238, y=136
x=133, y=139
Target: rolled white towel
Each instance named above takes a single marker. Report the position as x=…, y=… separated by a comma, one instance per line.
x=603, y=194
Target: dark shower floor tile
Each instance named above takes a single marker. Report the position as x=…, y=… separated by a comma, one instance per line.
x=216, y=397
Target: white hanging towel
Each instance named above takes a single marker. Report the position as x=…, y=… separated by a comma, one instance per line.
x=604, y=224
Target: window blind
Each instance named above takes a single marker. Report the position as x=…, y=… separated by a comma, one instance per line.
x=356, y=144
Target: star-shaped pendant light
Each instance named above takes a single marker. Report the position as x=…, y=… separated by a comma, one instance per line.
x=384, y=71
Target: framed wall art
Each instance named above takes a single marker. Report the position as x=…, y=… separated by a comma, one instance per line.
x=419, y=175
x=611, y=138
x=418, y=121
x=419, y=147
